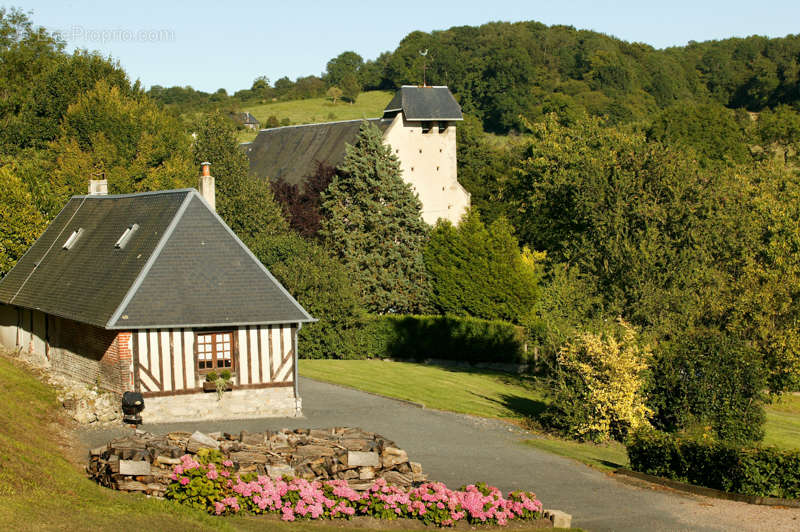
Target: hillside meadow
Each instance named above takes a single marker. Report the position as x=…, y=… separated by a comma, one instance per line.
x=314, y=110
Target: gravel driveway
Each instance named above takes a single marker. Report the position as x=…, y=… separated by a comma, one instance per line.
x=459, y=449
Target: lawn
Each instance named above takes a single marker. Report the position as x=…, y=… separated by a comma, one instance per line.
x=499, y=395
x=481, y=393
x=368, y=105
x=783, y=423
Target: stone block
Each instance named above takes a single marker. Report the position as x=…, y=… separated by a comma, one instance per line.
x=363, y=459
x=314, y=450
x=278, y=470
x=392, y=456
x=134, y=467
x=199, y=441
x=560, y=519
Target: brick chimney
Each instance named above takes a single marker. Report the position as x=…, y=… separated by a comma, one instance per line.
x=207, y=189
x=98, y=187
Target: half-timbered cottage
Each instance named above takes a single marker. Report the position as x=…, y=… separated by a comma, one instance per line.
x=151, y=292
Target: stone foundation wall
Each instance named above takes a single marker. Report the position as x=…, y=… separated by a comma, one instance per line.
x=236, y=404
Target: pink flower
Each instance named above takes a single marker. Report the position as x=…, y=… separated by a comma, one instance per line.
x=227, y=463
x=184, y=481
x=212, y=475
x=219, y=507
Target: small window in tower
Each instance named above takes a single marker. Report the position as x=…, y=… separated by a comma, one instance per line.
x=420, y=151
x=73, y=238
x=426, y=127
x=126, y=236
x=442, y=127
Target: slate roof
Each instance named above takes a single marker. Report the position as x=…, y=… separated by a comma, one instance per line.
x=245, y=118
x=183, y=267
x=424, y=104
x=293, y=152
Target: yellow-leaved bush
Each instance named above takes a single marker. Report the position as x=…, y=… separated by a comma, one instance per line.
x=602, y=377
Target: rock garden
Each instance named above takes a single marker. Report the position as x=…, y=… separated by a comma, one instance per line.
x=300, y=474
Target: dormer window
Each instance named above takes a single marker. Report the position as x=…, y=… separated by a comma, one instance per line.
x=126, y=236
x=73, y=238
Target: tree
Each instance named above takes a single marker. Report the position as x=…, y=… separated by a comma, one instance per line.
x=302, y=206
x=706, y=378
x=334, y=93
x=372, y=223
x=244, y=202
x=20, y=222
x=480, y=271
x=350, y=88
x=341, y=66
x=126, y=138
x=324, y=287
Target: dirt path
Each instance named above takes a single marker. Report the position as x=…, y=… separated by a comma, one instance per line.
x=459, y=449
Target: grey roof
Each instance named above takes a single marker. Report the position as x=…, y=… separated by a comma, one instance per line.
x=424, y=103
x=183, y=267
x=245, y=118
x=249, y=118
x=293, y=152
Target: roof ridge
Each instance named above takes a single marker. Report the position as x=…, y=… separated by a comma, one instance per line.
x=133, y=194
x=320, y=123
x=152, y=258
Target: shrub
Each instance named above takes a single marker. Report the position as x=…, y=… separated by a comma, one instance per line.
x=568, y=301
x=759, y=471
x=210, y=485
x=322, y=285
x=458, y=338
x=480, y=271
x=600, y=385
x=706, y=377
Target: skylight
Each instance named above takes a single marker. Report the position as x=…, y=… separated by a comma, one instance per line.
x=126, y=236
x=73, y=238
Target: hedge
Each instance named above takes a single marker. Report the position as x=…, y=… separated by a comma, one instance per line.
x=759, y=471
x=463, y=339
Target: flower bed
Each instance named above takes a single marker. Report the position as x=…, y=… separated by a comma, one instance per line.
x=210, y=484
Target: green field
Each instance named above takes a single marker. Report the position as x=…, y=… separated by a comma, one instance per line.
x=499, y=395
x=368, y=105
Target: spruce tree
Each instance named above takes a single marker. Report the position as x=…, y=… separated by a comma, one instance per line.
x=372, y=223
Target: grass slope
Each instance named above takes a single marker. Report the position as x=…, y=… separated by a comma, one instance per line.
x=368, y=105
x=491, y=394
x=41, y=490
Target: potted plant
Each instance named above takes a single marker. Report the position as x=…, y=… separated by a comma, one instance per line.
x=218, y=383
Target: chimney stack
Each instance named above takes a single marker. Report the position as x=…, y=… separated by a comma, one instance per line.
x=207, y=189
x=98, y=187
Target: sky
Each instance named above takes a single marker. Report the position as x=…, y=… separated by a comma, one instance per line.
x=211, y=44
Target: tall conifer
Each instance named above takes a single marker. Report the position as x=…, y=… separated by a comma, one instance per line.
x=372, y=223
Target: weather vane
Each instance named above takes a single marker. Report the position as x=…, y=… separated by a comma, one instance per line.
x=423, y=53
